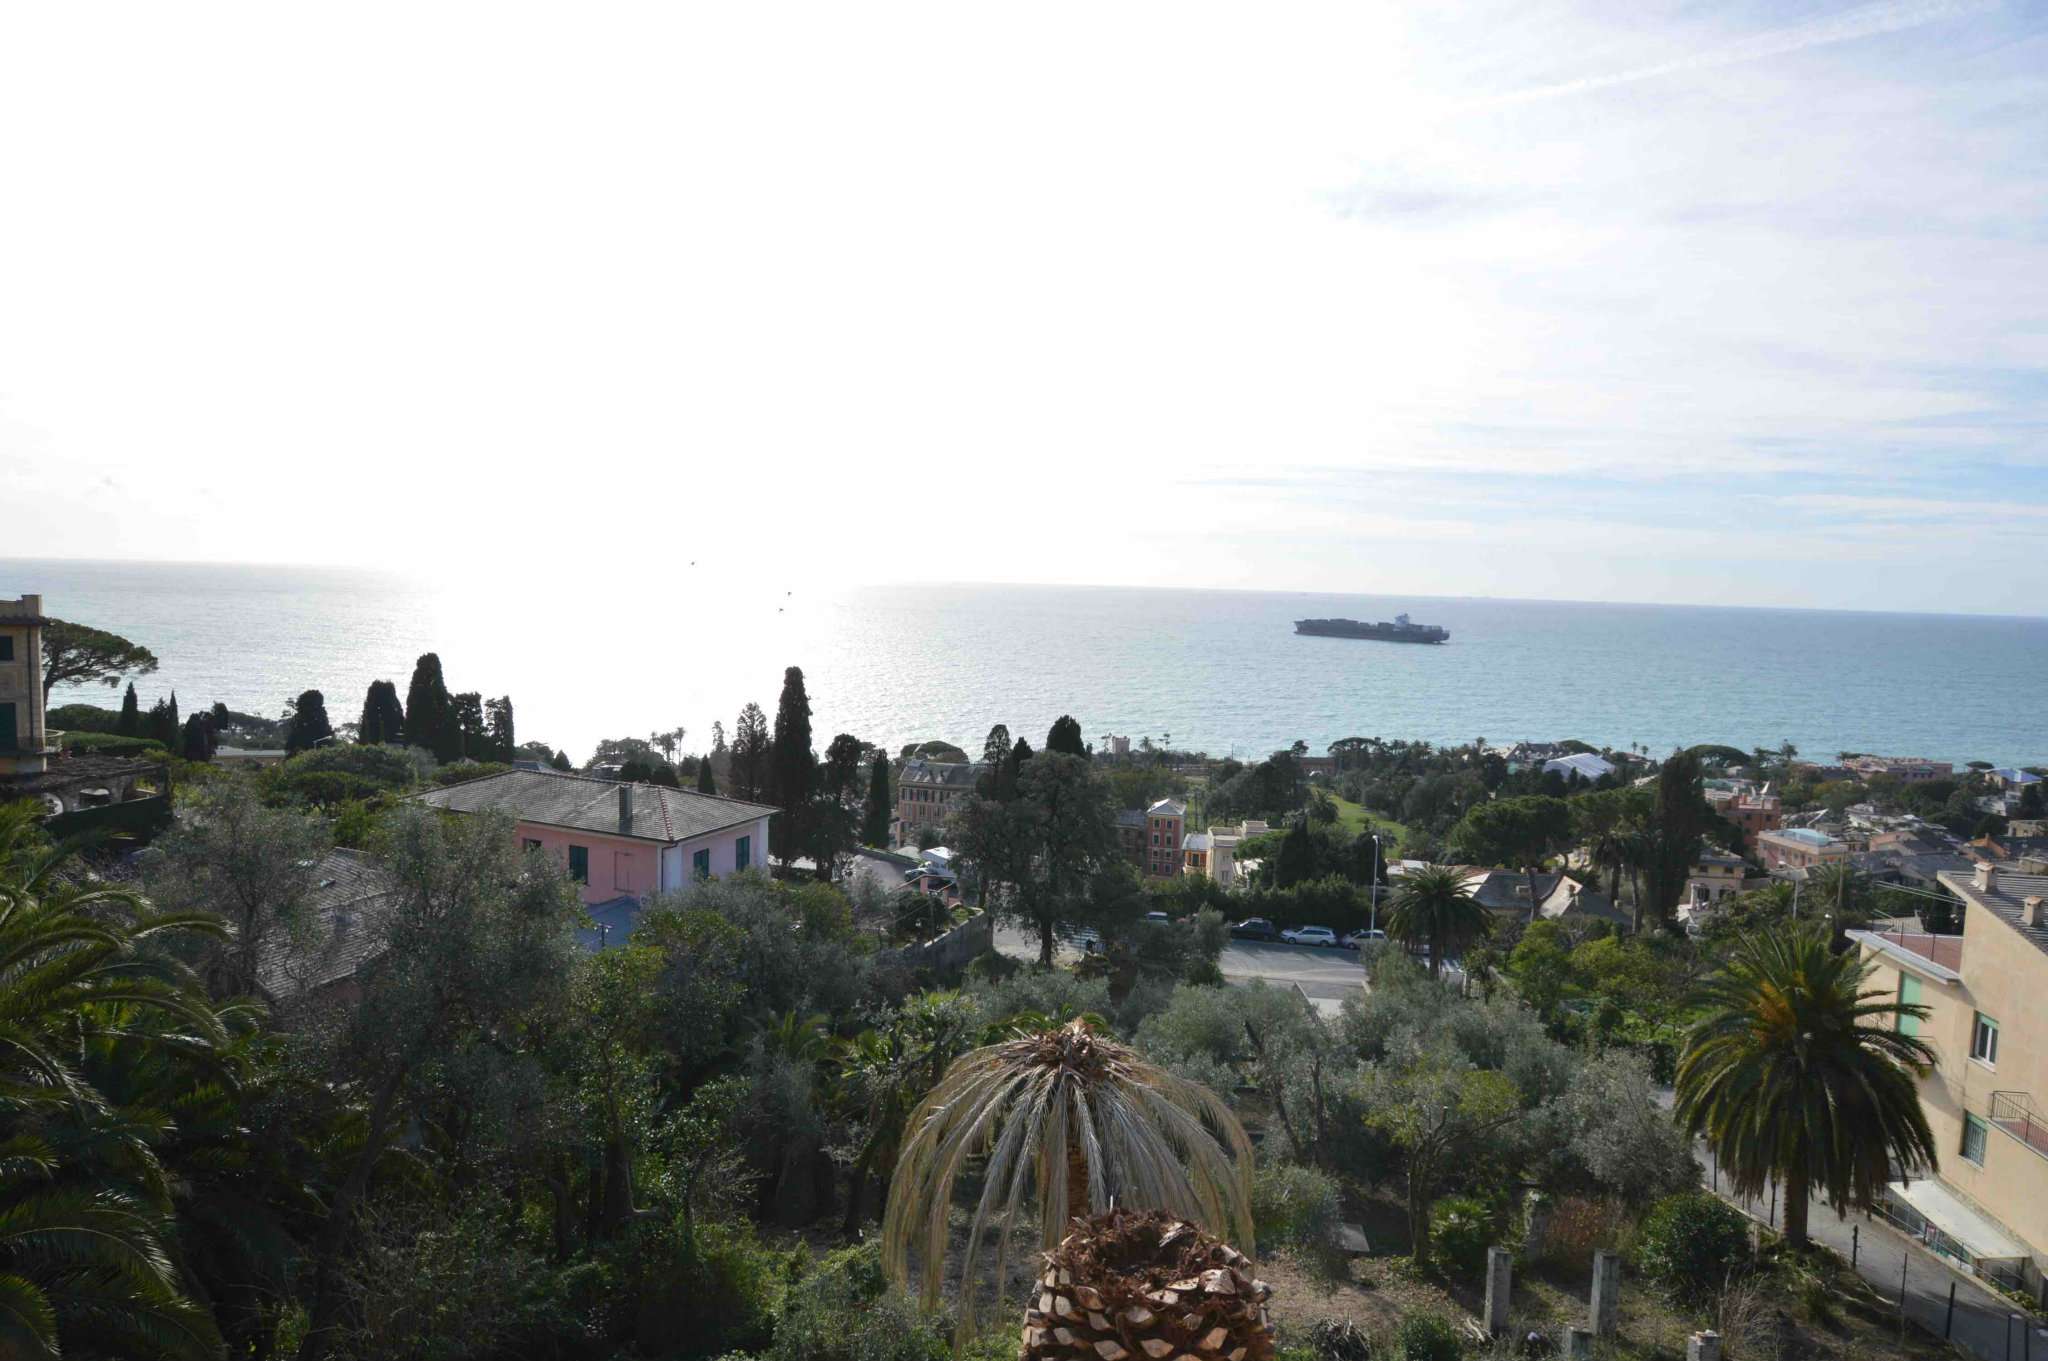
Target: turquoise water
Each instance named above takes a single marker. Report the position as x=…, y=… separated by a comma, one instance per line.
x=1219, y=670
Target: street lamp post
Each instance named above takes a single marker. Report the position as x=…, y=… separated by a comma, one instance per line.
x=1374, y=918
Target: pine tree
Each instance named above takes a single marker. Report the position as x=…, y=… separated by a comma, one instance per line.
x=383, y=719
x=130, y=723
x=309, y=725
x=749, y=768
x=876, y=812
x=706, y=783
x=1066, y=736
x=499, y=741
x=792, y=769
x=429, y=718
x=165, y=729
x=156, y=721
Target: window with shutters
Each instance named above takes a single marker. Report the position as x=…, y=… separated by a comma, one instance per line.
x=579, y=864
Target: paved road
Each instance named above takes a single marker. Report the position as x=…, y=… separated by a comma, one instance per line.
x=1326, y=975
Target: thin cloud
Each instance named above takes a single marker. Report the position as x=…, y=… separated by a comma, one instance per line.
x=1868, y=21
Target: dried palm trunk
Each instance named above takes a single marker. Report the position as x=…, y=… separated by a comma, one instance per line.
x=1127, y=1286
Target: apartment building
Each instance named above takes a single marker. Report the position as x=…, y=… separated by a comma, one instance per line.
x=1755, y=811
x=1799, y=848
x=1987, y=1097
x=927, y=792
x=1152, y=837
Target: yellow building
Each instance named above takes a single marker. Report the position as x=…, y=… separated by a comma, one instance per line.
x=1987, y=1098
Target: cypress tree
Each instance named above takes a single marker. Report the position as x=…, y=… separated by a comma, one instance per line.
x=499, y=742
x=1066, y=736
x=467, y=710
x=560, y=761
x=792, y=768
x=155, y=722
x=428, y=720
x=309, y=725
x=706, y=784
x=130, y=723
x=875, y=813
x=383, y=717
x=1013, y=770
x=199, y=737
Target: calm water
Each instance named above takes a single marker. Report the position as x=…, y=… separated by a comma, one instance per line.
x=1217, y=670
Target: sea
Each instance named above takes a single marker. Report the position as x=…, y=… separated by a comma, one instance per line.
x=1217, y=671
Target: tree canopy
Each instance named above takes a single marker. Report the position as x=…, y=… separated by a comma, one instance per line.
x=76, y=654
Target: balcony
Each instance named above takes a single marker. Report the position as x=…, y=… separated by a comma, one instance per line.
x=2014, y=1113
x=1938, y=956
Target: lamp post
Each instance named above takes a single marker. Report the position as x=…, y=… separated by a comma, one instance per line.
x=1373, y=919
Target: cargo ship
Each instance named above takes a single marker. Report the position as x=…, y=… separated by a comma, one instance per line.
x=1400, y=631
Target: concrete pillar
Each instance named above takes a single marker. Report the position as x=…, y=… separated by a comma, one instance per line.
x=1500, y=1279
x=1703, y=1347
x=1578, y=1344
x=1606, y=1292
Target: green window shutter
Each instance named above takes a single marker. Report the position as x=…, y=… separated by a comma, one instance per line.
x=6, y=647
x=579, y=864
x=742, y=853
x=1909, y=994
x=700, y=864
x=9, y=735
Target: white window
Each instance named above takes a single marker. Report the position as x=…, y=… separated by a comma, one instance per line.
x=1984, y=1041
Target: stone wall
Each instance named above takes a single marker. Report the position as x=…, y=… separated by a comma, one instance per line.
x=951, y=952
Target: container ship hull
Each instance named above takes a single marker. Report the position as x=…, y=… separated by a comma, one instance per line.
x=1400, y=631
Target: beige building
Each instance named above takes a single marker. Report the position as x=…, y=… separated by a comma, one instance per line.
x=24, y=741
x=1799, y=848
x=1214, y=853
x=1715, y=875
x=1987, y=1098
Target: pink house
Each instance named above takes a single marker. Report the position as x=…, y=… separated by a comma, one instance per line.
x=619, y=840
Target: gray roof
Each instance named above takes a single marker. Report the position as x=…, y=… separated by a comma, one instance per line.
x=2008, y=892
x=1168, y=808
x=1195, y=841
x=353, y=892
x=1130, y=817
x=584, y=804
x=948, y=774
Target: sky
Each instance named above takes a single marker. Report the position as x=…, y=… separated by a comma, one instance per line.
x=1731, y=303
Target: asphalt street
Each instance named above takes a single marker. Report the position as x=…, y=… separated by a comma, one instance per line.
x=1324, y=974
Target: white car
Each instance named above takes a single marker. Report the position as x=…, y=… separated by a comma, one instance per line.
x=1310, y=935
x=1359, y=939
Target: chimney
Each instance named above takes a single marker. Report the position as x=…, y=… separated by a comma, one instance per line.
x=1987, y=876
x=625, y=807
x=2030, y=910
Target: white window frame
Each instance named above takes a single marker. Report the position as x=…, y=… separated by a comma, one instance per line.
x=1982, y=1051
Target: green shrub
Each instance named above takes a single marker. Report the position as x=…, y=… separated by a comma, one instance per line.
x=1428, y=1337
x=1295, y=1206
x=327, y=777
x=1690, y=1243
x=1462, y=1229
x=845, y=1311
x=460, y=771
x=112, y=744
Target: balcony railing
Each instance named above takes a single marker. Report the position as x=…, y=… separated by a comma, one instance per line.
x=2014, y=1113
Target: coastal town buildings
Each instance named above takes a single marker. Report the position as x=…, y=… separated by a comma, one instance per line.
x=1904, y=769
x=1798, y=849
x=1213, y=854
x=1151, y=838
x=618, y=840
x=1754, y=810
x=1110, y=745
x=927, y=792
x=1986, y=1099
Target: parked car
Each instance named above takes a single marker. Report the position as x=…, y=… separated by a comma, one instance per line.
x=1255, y=928
x=1310, y=935
x=1358, y=939
x=1159, y=918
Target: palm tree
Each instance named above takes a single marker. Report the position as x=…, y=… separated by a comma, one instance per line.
x=1079, y=1121
x=1841, y=889
x=1798, y=1071
x=84, y=1201
x=1433, y=907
